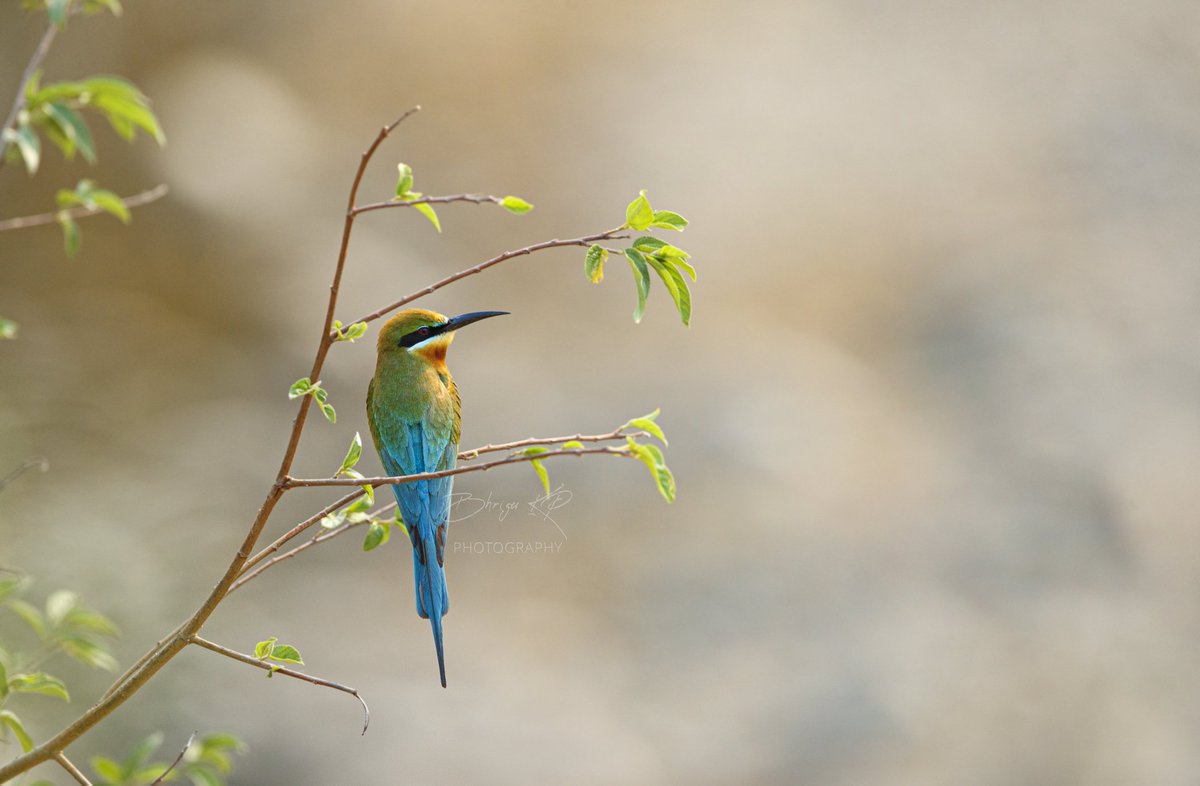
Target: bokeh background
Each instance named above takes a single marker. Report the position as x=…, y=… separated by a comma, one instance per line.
x=936, y=425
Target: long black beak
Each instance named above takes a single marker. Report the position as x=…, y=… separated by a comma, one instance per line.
x=462, y=320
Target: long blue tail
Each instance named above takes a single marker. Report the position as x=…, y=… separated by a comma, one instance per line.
x=430, y=577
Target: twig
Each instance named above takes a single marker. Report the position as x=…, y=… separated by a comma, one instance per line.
x=137, y=200
x=478, y=199
x=586, y=240
x=467, y=455
x=296, y=530
x=208, y=645
x=178, y=759
x=320, y=537
x=35, y=62
x=79, y=777
x=38, y=463
x=291, y=482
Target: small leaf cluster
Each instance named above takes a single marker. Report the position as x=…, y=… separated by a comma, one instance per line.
x=404, y=193
x=208, y=761
x=63, y=626
x=88, y=196
x=271, y=650
x=648, y=253
x=8, y=328
x=55, y=112
x=356, y=330
x=650, y=454
x=306, y=387
x=358, y=512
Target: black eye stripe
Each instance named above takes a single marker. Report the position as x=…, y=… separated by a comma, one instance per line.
x=420, y=334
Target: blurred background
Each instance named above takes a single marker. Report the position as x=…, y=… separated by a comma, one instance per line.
x=935, y=426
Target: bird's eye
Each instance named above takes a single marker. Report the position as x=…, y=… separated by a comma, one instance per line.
x=423, y=331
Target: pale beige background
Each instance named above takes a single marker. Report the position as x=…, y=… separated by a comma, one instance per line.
x=935, y=426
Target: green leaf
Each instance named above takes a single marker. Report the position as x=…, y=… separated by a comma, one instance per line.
x=647, y=424
x=536, y=450
x=647, y=244
x=638, y=214
x=352, y=455
x=369, y=491
x=39, y=682
x=58, y=11
x=665, y=219
x=28, y=144
x=676, y=286
x=124, y=106
x=203, y=776
x=74, y=130
x=86, y=619
x=72, y=236
x=3, y=681
x=428, y=212
x=286, y=653
x=7, y=718
x=641, y=278
x=30, y=614
x=59, y=604
x=8, y=328
x=262, y=650
x=112, y=204
x=300, y=388
x=572, y=445
x=677, y=262
x=107, y=769
x=542, y=474
x=89, y=652
x=594, y=265
x=404, y=182
x=328, y=411
x=377, y=534
x=140, y=755
x=515, y=205
x=357, y=330
x=652, y=457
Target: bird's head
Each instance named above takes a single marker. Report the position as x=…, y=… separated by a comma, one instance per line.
x=423, y=333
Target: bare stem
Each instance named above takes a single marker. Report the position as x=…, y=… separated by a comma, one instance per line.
x=137, y=200
x=79, y=777
x=467, y=455
x=178, y=759
x=296, y=530
x=252, y=661
x=291, y=482
x=586, y=240
x=478, y=199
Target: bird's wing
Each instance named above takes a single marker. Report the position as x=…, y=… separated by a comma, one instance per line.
x=422, y=446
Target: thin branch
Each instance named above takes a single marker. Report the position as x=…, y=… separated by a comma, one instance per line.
x=586, y=240
x=296, y=530
x=178, y=759
x=291, y=482
x=35, y=62
x=320, y=537
x=467, y=455
x=79, y=777
x=217, y=648
x=38, y=463
x=478, y=199
x=137, y=200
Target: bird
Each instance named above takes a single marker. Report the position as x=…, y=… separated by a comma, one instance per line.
x=413, y=410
